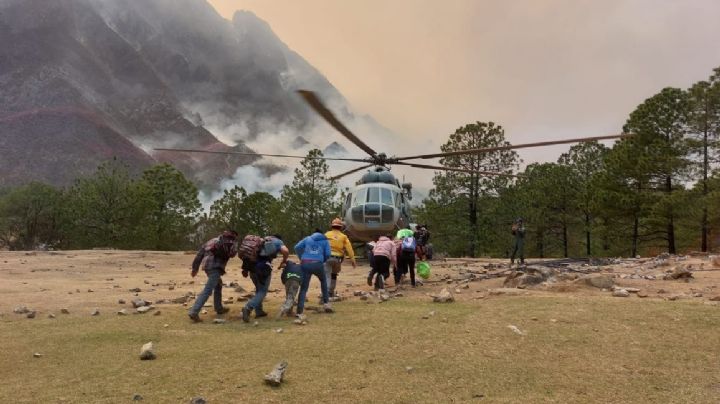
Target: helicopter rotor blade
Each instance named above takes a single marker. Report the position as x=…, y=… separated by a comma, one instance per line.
x=314, y=102
x=262, y=154
x=336, y=177
x=510, y=147
x=463, y=170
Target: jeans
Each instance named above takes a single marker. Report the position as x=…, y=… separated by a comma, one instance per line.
x=518, y=249
x=332, y=269
x=213, y=284
x=382, y=270
x=261, y=278
x=308, y=270
x=292, y=285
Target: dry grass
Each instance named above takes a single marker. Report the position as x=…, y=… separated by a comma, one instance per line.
x=576, y=348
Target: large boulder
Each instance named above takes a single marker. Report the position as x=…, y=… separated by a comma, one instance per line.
x=600, y=281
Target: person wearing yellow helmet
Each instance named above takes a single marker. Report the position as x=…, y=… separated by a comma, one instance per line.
x=339, y=247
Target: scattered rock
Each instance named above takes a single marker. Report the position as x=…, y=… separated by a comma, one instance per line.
x=679, y=272
x=31, y=314
x=64, y=311
x=122, y=312
x=181, y=299
x=600, y=281
x=95, y=312
x=642, y=294
x=137, y=397
x=300, y=322
x=409, y=369
x=697, y=294
x=121, y=301
x=358, y=293
x=715, y=298
x=147, y=352
x=275, y=377
x=50, y=315
x=21, y=310
x=135, y=290
x=90, y=291
x=37, y=355
x=157, y=313
x=443, y=297
x=674, y=297
x=144, y=309
x=621, y=293
x=219, y=321
x=256, y=323
x=515, y=330
x=198, y=400
x=139, y=303
x=279, y=330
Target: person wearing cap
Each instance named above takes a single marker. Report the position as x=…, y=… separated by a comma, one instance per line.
x=339, y=247
x=213, y=257
x=518, y=230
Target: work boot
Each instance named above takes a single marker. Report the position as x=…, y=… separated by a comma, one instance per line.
x=223, y=310
x=328, y=308
x=246, y=315
x=369, y=279
x=195, y=318
x=259, y=314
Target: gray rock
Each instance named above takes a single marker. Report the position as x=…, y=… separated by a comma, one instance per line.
x=219, y=321
x=600, y=281
x=144, y=309
x=139, y=303
x=135, y=290
x=37, y=355
x=157, y=313
x=621, y=293
x=21, y=310
x=198, y=400
x=50, y=315
x=121, y=301
x=31, y=314
x=445, y=296
x=147, y=352
x=95, y=312
x=137, y=397
x=122, y=312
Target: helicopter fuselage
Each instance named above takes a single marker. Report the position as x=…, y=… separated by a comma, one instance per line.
x=376, y=206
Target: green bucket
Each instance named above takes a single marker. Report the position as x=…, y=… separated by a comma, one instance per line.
x=423, y=269
x=402, y=233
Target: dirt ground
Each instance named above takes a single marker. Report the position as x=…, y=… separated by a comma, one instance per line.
x=81, y=281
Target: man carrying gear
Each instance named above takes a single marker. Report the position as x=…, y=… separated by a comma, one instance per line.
x=212, y=258
x=339, y=247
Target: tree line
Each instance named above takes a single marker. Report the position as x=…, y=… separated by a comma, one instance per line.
x=657, y=190
x=159, y=210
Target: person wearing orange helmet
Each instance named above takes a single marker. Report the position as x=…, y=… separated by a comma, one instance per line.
x=339, y=247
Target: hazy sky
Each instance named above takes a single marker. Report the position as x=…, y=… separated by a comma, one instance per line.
x=544, y=69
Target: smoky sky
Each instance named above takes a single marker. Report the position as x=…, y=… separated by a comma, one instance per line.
x=543, y=69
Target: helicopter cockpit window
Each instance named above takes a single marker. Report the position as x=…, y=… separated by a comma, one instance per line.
x=373, y=195
x=359, y=197
x=386, y=196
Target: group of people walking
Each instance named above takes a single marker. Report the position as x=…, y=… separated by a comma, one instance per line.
x=320, y=254
x=399, y=253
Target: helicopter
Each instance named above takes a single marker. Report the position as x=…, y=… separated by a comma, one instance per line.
x=379, y=204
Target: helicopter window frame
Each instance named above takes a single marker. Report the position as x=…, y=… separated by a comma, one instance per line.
x=359, y=198
x=373, y=195
x=398, y=199
x=386, y=197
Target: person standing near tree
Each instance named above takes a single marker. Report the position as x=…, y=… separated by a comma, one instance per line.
x=213, y=257
x=339, y=247
x=314, y=251
x=518, y=230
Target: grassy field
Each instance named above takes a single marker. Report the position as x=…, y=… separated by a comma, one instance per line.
x=584, y=350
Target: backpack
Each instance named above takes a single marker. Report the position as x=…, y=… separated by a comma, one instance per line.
x=250, y=247
x=409, y=244
x=218, y=246
x=253, y=247
x=268, y=248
